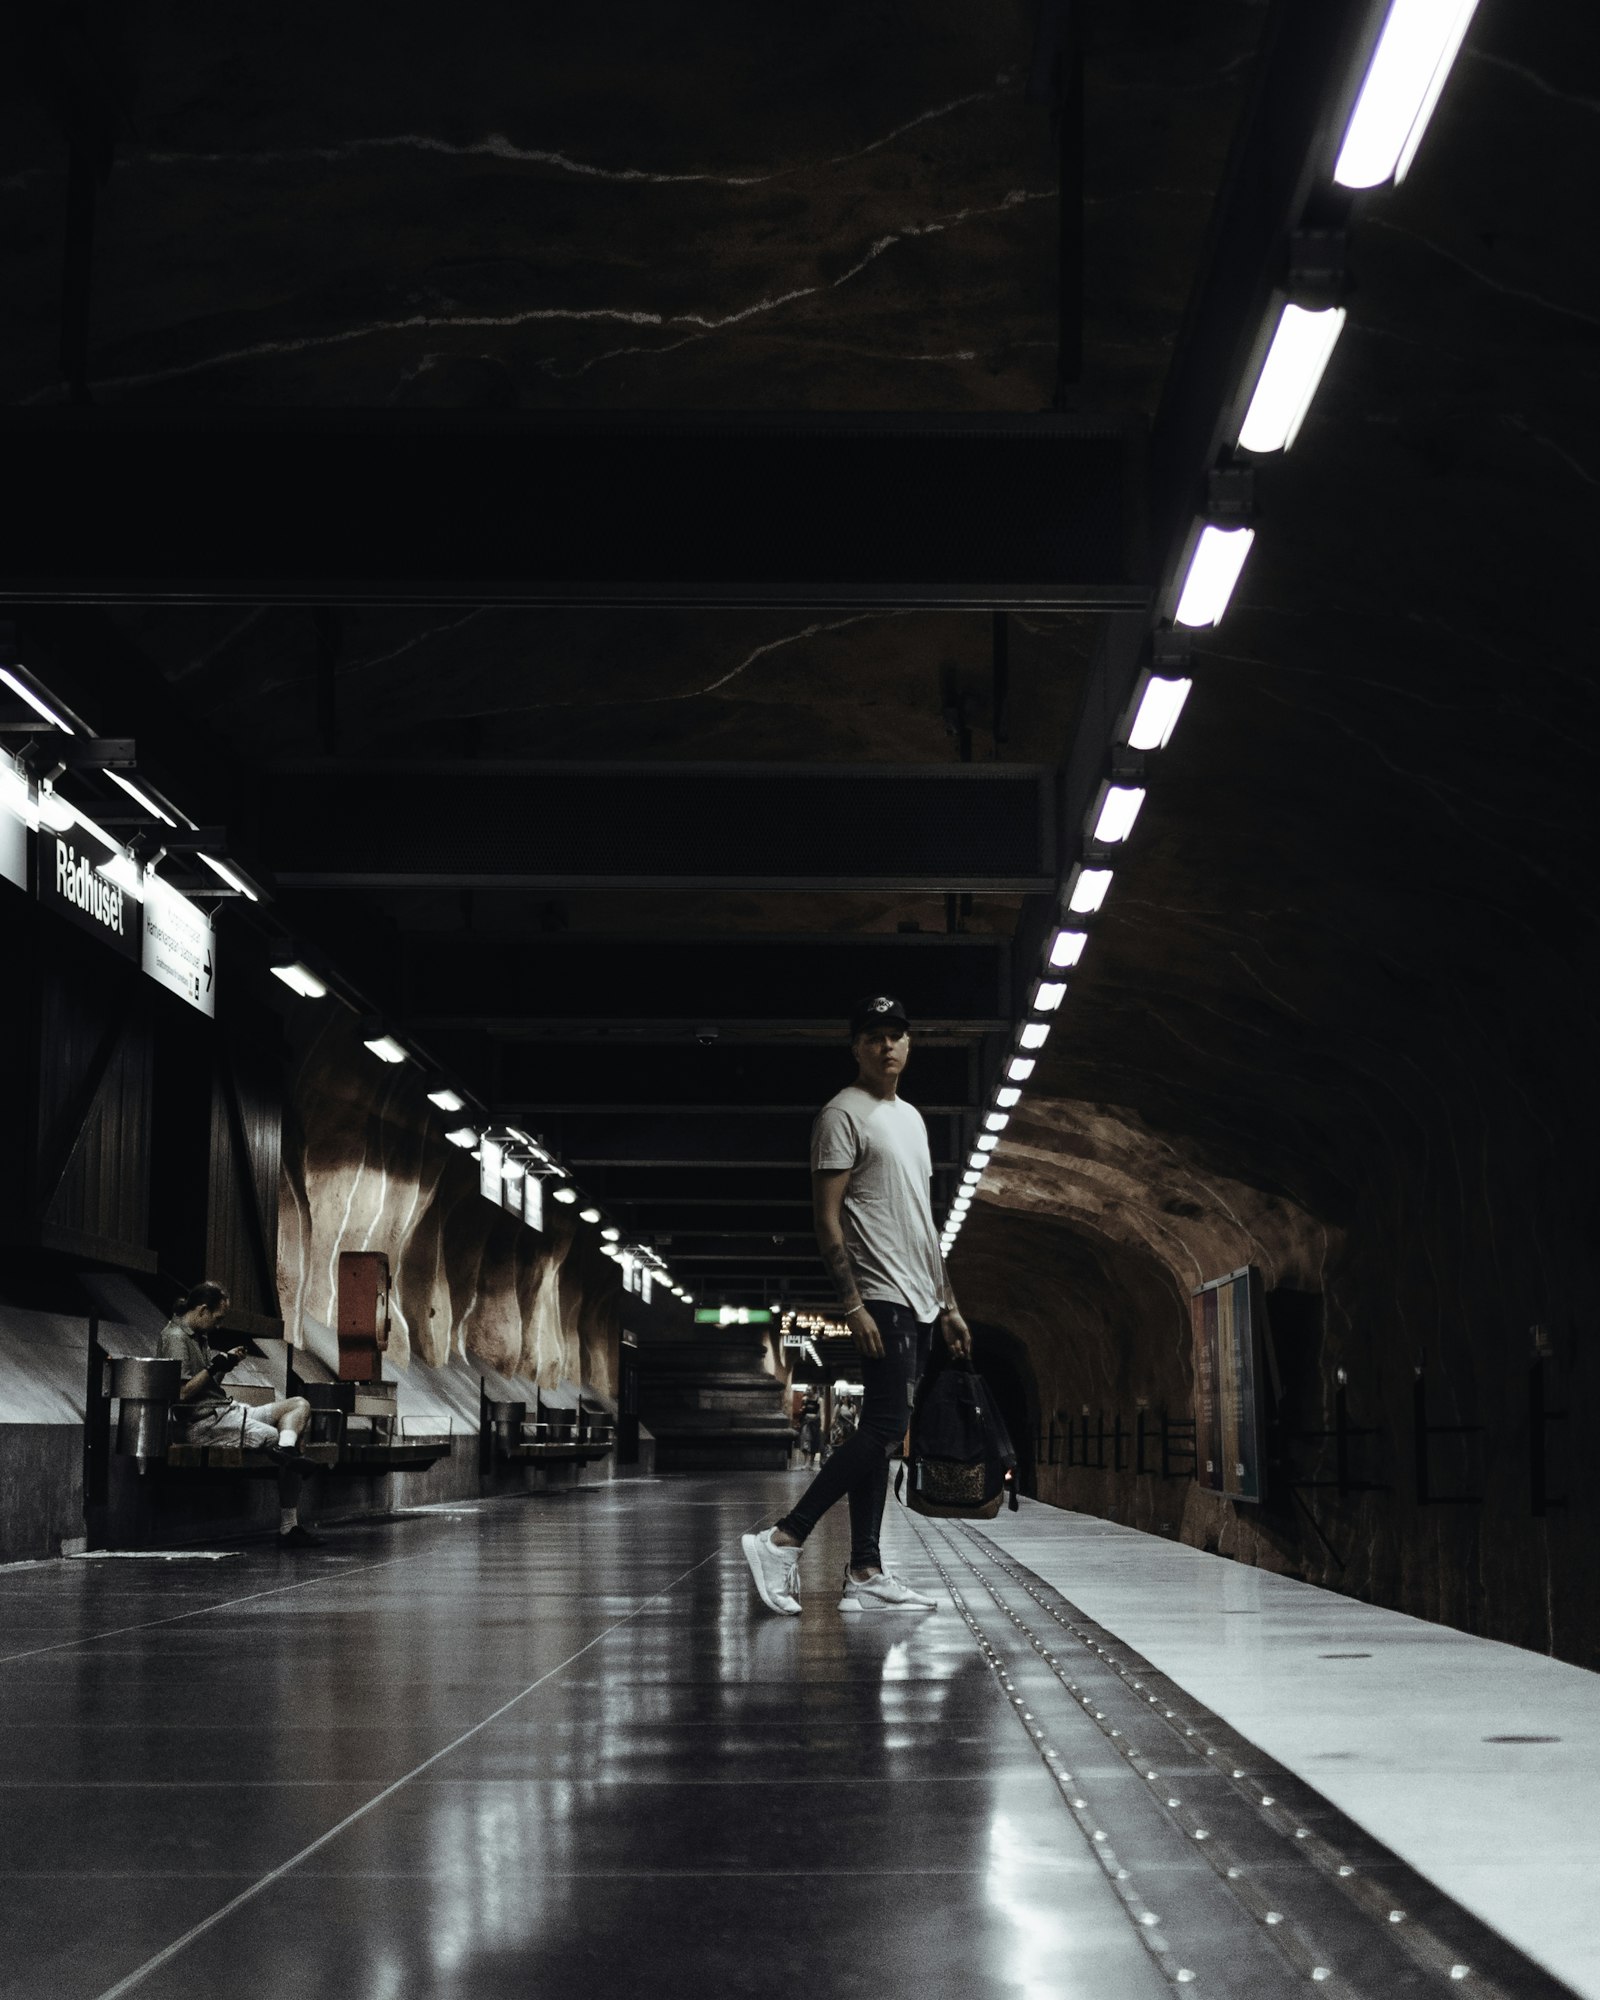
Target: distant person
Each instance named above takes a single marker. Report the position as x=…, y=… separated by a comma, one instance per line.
x=810, y=1431
x=871, y=1172
x=209, y=1415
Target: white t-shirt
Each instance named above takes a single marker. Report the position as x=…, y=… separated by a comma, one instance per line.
x=888, y=1217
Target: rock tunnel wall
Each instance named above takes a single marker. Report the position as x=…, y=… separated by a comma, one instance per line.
x=1434, y=1252
x=366, y=1167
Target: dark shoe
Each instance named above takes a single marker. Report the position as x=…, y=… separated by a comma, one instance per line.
x=299, y=1538
x=288, y=1456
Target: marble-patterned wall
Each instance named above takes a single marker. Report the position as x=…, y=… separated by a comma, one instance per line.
x=366, y=1166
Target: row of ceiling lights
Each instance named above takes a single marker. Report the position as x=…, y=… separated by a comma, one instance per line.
x=520, y=1153
x=1415, y=50
x=39, y=804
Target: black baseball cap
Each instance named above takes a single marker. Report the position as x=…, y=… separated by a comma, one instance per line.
x=876, y=1010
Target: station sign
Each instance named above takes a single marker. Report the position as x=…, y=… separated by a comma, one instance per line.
x=13, y=827
x=178, y=946
x=731, y=1316
x=533, y=1201
x=71, y=881
x=490, y=1184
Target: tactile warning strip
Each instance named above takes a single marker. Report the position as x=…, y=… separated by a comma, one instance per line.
x=1344, y=1912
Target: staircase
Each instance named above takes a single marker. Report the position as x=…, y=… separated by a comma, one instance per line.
x=711, y=1405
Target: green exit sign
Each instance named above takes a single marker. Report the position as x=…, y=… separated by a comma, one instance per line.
x=731, y=1316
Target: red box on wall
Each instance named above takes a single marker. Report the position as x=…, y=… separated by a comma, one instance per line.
x=363, y=1327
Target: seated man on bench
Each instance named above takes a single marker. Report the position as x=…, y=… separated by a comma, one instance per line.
x=211, y=1416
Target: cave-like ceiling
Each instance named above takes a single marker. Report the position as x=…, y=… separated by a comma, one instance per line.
x=621, y=867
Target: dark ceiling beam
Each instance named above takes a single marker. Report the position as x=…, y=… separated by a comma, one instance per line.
x=502, y=825
x=742, y=1226
x=646, y=1189
x=715, y=1139
x=420, y=507
x=950, y=985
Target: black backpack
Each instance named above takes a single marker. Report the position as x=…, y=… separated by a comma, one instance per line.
x=962, y=1463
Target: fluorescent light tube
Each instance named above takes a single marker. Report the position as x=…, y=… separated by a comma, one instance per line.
x=612, y=1235
x=1089, y=886
x=987, y=1141
x=1007, y=1095
x=1066, y=948
x=302, y=980
x=447, y=1100
x=972, y=1175
x=996, y=1121
x=1289, y=377
x=231, y=876
x=1213, y=571
x=464, y=1137
x=588, y=1215
x=1048, y=995
x=1118, y=811
x=386, y=1049
x=1158, y=713
x=1034, y=1034
x=37, y=703
x=1020, y=1068
x=1402, y=85
x=564, y=1195
x=140, y=798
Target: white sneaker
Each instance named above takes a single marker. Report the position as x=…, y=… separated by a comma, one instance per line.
x=776, y=1572
x=884, y=1591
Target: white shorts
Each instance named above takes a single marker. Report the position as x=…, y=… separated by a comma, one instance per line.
x=232, y=1423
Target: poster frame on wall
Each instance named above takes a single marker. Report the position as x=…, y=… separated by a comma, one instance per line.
x=1229, y=1328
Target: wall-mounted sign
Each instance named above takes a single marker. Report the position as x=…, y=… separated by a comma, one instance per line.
x=13, y=826
x=70, y=881
x=490, y=1184
x=533, y=1201
x=1228, y=1328
x=178, y=947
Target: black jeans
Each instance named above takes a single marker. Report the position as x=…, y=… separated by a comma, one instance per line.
x=860, y=1467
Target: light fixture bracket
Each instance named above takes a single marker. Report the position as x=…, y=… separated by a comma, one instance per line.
x=1317, y=273
x=1231, y=495
x=76, y=753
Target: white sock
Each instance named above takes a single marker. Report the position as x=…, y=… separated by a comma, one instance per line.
x=288, y=1439
x=288, y=1517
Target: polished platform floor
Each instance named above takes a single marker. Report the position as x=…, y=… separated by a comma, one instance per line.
x=552, y=1746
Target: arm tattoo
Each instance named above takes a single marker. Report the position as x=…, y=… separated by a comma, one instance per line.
x=837, y=1259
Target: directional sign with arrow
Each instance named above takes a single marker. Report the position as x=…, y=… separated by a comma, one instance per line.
x=179, y=948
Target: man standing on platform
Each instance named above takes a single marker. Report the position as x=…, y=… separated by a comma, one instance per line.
x=871, y=1172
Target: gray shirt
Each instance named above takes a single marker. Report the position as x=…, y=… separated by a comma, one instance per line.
x=177, y=1343
x=888, y=1218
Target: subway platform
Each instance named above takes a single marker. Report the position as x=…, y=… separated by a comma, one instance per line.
x=552, y=1745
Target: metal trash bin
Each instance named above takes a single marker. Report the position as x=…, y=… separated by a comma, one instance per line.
x=508, y=1419
x=145, y=1392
